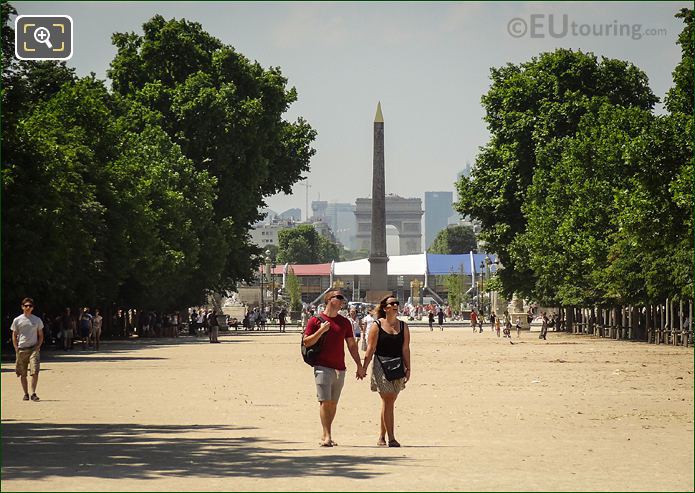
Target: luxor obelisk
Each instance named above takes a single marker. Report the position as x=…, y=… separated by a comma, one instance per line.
x=377, y=255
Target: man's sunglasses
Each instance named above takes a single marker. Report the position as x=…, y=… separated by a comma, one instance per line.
x=338, y=297
x=27, y=305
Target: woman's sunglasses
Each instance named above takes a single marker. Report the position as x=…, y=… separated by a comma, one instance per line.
x=397, y=303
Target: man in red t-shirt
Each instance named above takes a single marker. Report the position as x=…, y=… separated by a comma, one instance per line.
x=329, y=369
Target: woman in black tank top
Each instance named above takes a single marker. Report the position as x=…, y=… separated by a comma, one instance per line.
x=388, y=337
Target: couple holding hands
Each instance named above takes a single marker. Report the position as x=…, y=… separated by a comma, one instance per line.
x=388, y=345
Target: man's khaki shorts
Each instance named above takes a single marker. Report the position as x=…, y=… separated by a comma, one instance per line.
x=28, y=359
x=329, y=383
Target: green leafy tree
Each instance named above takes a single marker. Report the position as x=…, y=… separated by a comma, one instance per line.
x=570, y=207
x=298, y=245
x=530, y=108
x=679, y=98
x=294, y=288
x=102, y=226
x=225, y=113
x=328, y=251
x=650, y=258
x=303, y=245
x=454, y=240
x=143, y=195
x=454, y=286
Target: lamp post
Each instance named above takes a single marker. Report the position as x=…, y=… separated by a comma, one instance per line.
x=487, y=275
x=268, y=275
x=260, y=277
x=480, y=291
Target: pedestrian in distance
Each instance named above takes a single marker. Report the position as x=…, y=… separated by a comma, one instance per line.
x=389, y=338
x=85, y=326
x=282, y=320
x=214, y=325
x=68, y=327
x=430, y=318
x=518, y=328
x=440, y=318
x=474, y=320
x=97, y=324
x=305, y=318
x=329, y=366
x=366, y=322
x=356, y=326
x=27, y=338
x=544, y=327
x=193, y=323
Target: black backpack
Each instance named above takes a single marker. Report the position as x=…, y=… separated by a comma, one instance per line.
x=309, y=354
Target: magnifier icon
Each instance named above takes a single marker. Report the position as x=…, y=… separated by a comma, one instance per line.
x=43, y=35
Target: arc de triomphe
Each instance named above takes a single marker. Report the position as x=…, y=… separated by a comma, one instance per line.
x=404, y=214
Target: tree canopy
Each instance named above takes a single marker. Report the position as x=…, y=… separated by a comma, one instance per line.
x=225, y=112
x=144, y=195
x=304, y=245
x=454, y=239
x=582, y=189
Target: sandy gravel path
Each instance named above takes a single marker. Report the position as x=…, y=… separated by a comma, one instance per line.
x=480, y=414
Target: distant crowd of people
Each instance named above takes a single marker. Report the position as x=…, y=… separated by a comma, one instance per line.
x=257, y=319
x=87, y=326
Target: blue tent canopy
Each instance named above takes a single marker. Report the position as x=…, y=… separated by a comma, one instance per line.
x=438, y=264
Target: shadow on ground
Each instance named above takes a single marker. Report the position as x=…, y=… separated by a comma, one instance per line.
x=111, y=350
x=38, y=450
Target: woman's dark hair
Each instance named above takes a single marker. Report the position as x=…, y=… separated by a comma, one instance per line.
x=379, y=311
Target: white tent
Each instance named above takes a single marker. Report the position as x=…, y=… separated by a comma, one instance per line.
x=398, y=265
x=421, y=264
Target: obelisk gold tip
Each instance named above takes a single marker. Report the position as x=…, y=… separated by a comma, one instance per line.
x=379, y=118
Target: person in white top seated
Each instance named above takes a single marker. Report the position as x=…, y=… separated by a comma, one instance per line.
x=27, y=337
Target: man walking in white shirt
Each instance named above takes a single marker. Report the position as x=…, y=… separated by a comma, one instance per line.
x=27, y=337
x=366, y=322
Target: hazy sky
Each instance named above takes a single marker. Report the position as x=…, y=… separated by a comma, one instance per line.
x=428, y=64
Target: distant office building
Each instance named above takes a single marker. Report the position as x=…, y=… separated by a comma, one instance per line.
x=318, y=210
x=266, y=233
x=324, y=230
x=438, y=212
x=340, y=217
x=292, y=215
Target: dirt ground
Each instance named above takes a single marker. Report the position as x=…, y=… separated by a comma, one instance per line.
x=572, y=413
